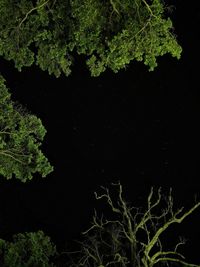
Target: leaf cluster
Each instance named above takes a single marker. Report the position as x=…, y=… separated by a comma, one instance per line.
x=27, y=250
x=21, y=134
x=109, y=33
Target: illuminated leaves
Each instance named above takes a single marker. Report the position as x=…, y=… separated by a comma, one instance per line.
x=21, y=135
x=28, y=250
x=110, y=34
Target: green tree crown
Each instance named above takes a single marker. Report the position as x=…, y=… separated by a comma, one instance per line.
x=110, y=33
x=27, y=250
x=21, y=135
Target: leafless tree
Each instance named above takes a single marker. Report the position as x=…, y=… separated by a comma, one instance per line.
x=134, y=237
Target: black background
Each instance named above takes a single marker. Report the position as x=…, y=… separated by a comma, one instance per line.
x=139, y=127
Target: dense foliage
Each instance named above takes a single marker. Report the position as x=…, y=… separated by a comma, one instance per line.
x=27, y=250
x=21, y=134
x=110, y=33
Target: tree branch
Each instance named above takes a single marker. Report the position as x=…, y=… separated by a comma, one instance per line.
x=30, y=11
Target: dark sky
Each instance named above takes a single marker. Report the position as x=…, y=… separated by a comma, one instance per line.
x=139, y=127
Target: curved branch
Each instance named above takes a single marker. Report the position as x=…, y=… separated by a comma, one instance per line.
x=11, y=156
x=30, y=11
x=177, y=260
x=149, y=9
x=114, y=7
x=166, y=225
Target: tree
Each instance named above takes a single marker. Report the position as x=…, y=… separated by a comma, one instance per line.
x=133, y=237
x=109, y=33
x=27, y=250
x=21, y=134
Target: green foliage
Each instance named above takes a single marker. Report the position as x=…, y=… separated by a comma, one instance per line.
x=20, y=139
x=27, y=250
x=110, y=33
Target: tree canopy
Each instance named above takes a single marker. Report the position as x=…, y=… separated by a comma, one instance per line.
x=110, y=33
x=21, y=134
x=27, y=250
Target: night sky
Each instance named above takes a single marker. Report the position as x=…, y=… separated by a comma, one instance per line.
x=136, y=126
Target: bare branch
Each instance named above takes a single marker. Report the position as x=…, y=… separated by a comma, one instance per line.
x=122, y=231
